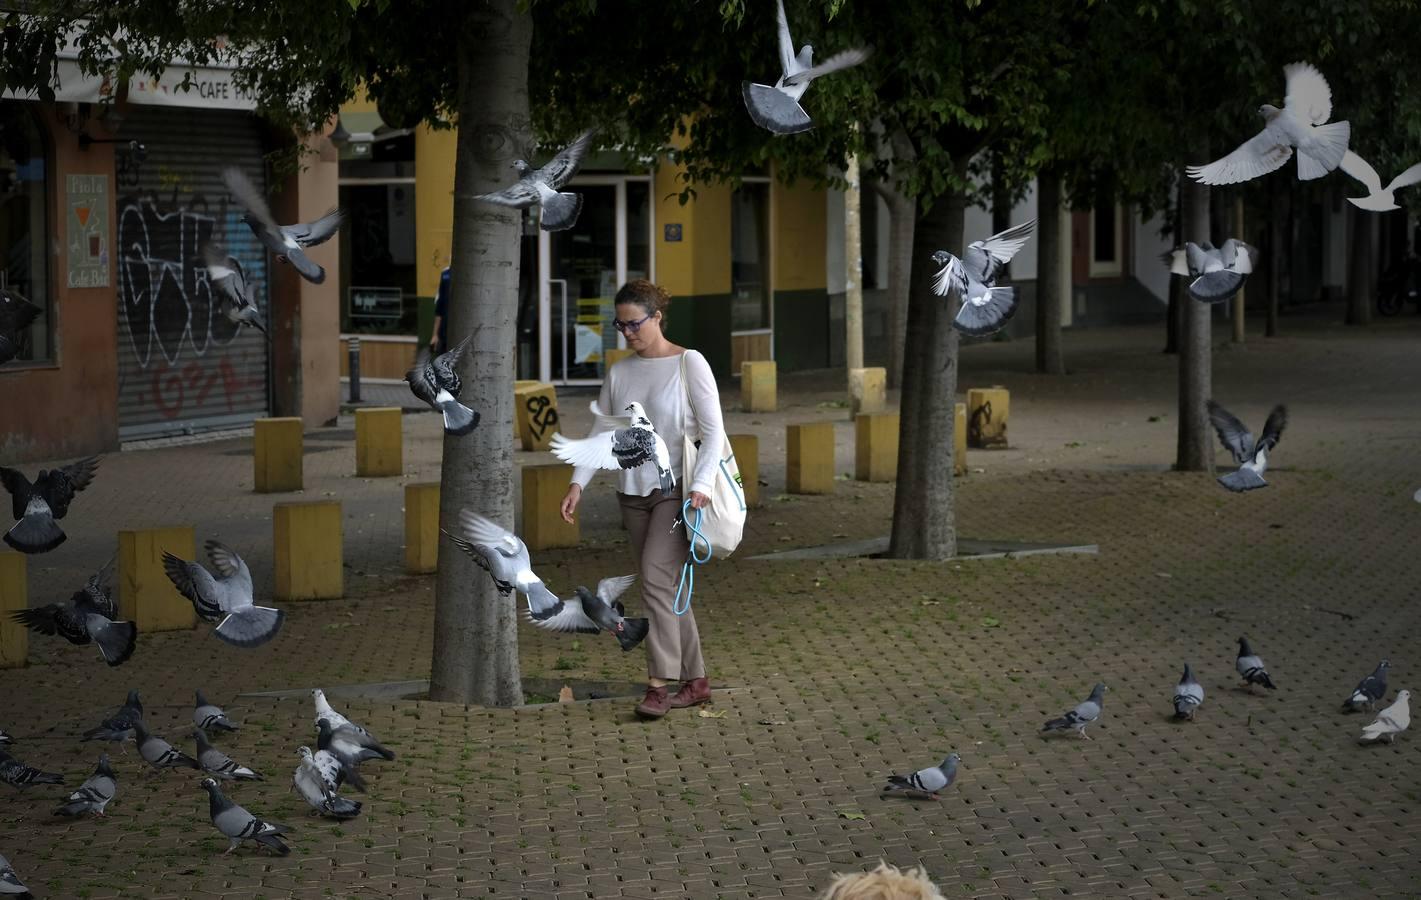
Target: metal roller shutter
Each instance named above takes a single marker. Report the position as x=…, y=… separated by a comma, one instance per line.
x=182, y=365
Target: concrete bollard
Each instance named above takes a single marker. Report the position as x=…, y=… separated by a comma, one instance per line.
x=422, y=527
x=309, y=554
x=543, y=490
x=746, y=448
x=810, y=463
x=379, y=442
x=535, y=410
x=146, y=596
x=14, y=596
x=758, y=386
x=959, y=439
x=868, y=391
x=616, y=355
x=276, y=454
x=987, y=418
x=876, y=447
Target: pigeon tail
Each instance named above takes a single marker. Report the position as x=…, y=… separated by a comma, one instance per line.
x=1061, y=724
x=560, y=211
x=979, y=320
x=36, y=532
x=116, y=640
x=1216, y=287
x=633, y=632
x=250, y=627
x=459, y=420
x=668, y=480
x=341, y=808
x=1325, y=152
x=274, y=842
x=1242, y=480
x=774, y=110
x=75, y=807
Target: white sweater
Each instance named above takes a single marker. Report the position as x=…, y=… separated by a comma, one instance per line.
x=656, y=385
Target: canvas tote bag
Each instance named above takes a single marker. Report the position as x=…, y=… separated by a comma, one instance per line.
x=723, y=519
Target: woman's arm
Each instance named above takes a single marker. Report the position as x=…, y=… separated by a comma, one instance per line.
x=700, y=383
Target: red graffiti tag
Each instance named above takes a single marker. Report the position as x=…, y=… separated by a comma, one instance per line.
x=176, y=389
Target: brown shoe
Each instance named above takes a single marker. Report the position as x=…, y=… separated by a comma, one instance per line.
x=655, y=705
x=692, y=693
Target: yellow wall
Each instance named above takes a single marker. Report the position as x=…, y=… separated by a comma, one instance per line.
x=699, y=263
x=797, y=237
x=433, y=205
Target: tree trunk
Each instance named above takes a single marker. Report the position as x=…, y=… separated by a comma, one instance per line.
x=1277, y=252
x=924, y=526
x=1361, y=266
x=902, y=216
x=1173, y=323
x=475, y=629
x=1196, y=447
x=1049, y=358
x=853, y=267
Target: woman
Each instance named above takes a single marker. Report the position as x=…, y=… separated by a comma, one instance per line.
x=653, y=378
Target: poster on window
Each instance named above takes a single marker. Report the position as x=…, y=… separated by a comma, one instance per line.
x=87, y=199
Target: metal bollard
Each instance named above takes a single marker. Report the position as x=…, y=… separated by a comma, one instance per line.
x=354, y=351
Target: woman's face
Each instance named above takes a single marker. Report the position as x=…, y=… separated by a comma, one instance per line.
x=647, y=333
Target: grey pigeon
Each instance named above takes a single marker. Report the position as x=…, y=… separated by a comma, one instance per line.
x=214, y=762
x=350, y=748
x=1084, y=713
x=238, y=824
x=311, y=783
x=1379, y=199
x=973, y=278
x=5, y=738
x=16, y=314
x=20, y=776
x=1250, y=666
x=288, y=242
x=776, y=107
x=504, y=556
x=94, y=794
x=589, y=613
x=619, y=442
x=436, y=382
x=927, y=782
x=1218, y=272
x=324, y=710
x=227, y=597
x=227, y=276
x=1391, y=721
x=119, y=726
x=1251, y=455
x=88, y=616
x=37, y=507
x=209, y=717
x=10, y=883
x=1188, y=695
x=1369, y=690
x=1298, y=124
x=540, y=187
x=158, y=753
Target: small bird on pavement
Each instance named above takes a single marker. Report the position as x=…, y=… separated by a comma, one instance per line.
x=94, y=794
x=215, y=762
x=319, y=792
x=1250, y=666
x=158, y=753
x=324, y=710
x=1188, y=695
x=20, y=776
x=1391, y=721
x=1369, y=690
x=238, y=824
x=210, y=717
x=350, y=748
x=119, y=726
x=1076, y=720
x=924, y=783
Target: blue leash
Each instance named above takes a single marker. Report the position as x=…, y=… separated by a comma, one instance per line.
x=693, y=559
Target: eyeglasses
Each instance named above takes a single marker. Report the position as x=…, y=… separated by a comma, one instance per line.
x=629, y=327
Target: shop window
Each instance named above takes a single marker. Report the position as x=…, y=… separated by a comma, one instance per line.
x=24, y=227
x=750, y=257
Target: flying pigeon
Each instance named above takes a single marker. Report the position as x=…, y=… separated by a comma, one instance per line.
x=589, y=613
x=1298, y=124
x=16, y=314
x=1381, y=199
x=1218, y=272
x=350, y=748
x=158, y=753
x=214, y=762
x=436, y=382
x=1251, y=456
x=504, y=556
x=1369, y=690
x=119, y=726
x=776, y=108
x=540, y=187
x=10, y=883
x=927, y=782
x=1084, y=713
x=288, y=242
x=226, y=274
x=1188, y=695
x=1391, y=721
x=94, y=794
x=985, y=307
x=619, y=442
x=1250, y=666
x=18, y=775
x=316, y=789
x=209, y=717
x=325, y=711
x=88, y=616
x=227, y=597
x=38, y=506
x=238, y=824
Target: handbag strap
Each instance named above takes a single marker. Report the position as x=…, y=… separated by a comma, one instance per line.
x=690, y=400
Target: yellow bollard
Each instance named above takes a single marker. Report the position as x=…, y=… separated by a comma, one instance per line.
x=519, y=385
x=757, y=386
x=868, y=391
x=379, y=442
x=535, y=409
x=308, y=553
x=543, y=490
x=14, y=596
x=617, y=354
x=959, y=439
x=422, y=527
x=276, y=455
x=146, y=596
x=876, y=447
x=746, y=448
x=810, y=463
x=987, y=418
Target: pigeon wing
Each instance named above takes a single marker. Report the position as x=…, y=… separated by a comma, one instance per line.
x=1000, y=248
x=1406, y=179
x=520, y=195
x=304, y=264
x=844, y=59
x=1363, y=171
x=1265, y=152
x=484, y=532
x=248, y=196
x=565, y=616
x=1197, y=258
x=1237, y=439
x=788, y=64
x=1273, y=428
x=445, y=365
x=610, y=589
x=81, y=472
x=19, y=487
x=562, y=167
x=420, y=377
x=1238, y=256
x=596, y=451
x=952, y=278
x=195, y=583
x=1308, y=94
x=317, y=232
x=229, y=565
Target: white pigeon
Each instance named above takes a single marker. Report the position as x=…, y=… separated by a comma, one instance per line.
x=1300, y=124
x=1250, y=455
x=776, y=108
x=1381, y=199
x=227, y=597
x=1218, y=272
x=927, y=781
x=985, y=307
x=1188, y=695
x=504, y=556
x=558, y=210
x=317, y=785
x=325, y=711
x=619, y=442
x=589, y=613
x=1391, y=721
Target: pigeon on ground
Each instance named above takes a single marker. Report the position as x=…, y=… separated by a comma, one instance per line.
x=1250, y=666
x=1369, y=690
x=1380, y=199
x=238, y=824
x=927, y=782
x=311, y=782
x=288, y=242
x=16, y=314
x=776, y=108
x=18, y=775
x=1391, y=721
x=589, y=613
x=226, y=275
x=618, y=442
x=325, y=711
x=214, y=762
x=227, y=597
x=10, y=883
x=540, y=187
x=985, y=307
x=119, y=726
x=504, y=556
x=436, y=382
x=94, y=794
x=37, y=507
x=88, y=616
x=1188, y=695
x=1251, y=456
x=1298, y=124
x=1084, y=713
x=209, y=717
x=350, y=748
x=1218, y=272
x=158, y=753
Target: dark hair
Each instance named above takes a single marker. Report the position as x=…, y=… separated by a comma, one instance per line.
x=650, y=297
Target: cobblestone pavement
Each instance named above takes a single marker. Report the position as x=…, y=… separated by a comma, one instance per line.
x=844, y=670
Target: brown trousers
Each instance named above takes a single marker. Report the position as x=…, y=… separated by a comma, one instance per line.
x=673, y=648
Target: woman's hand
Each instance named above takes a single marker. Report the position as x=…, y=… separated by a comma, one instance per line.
x=569, y=502
x=698, y=500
